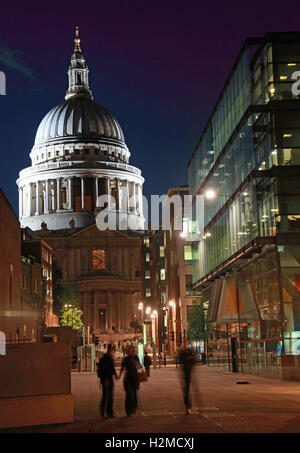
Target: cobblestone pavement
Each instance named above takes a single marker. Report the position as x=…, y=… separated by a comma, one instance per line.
x=220, y=405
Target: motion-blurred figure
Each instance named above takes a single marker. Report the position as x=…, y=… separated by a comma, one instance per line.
x=147, y=363
x=130, y=364
x=187, y=361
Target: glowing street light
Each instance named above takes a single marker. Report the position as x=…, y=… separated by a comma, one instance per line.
x=210, y=194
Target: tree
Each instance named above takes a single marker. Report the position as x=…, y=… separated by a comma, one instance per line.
x=70, y=297
x=72, y=317
x=71, y=314
x=197, y=327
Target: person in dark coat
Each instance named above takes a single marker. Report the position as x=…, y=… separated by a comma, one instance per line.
x=147, y=363
x=130, y=364
x=106, y=371
x=187, y=361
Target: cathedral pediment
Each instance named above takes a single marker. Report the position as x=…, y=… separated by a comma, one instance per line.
x=92, y=231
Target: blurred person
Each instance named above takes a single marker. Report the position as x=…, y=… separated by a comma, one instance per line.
x=130, y=364
x=187, y=360
x=147, y=363
x=106, y=371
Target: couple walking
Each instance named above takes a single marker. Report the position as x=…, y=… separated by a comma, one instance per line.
x=106, y=373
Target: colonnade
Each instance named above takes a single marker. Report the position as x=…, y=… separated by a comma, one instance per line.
x=57, y=195
x=117, y=306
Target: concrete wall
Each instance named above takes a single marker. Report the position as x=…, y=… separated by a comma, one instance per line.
x=35, y=369
x=35, y=385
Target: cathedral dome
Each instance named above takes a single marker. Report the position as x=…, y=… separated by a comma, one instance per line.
x=79, y=118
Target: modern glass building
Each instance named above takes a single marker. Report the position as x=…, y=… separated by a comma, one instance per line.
x=247, y=166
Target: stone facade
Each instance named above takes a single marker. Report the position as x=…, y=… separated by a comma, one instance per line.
x=105, y=269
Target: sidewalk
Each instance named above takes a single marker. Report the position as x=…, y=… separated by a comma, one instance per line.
x=220, y=405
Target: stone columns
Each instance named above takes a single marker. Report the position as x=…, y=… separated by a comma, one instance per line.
x=140, y=195
x=37, y=198
x=96, y=314
x=127, y=196
x=46, y=207
x=108, y=191
x=118, y=310
x=118, y=201
x=52, y=196
x=96, y=190
x=20, y=202
x=109, y=310
x=30, y=199
x=82, y=194
x=58, y=194
x=128, y=310
x=122, y=305
x=70, y=192
x=134, y=197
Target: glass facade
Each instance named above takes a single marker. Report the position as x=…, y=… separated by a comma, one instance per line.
x=249, y=156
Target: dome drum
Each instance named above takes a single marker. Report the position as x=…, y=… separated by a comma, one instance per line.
x=79, y=154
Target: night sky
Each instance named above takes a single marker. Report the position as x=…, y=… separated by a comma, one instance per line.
x=157, y=66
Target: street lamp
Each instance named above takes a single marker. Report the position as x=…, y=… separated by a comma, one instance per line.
x=154, y=316
x=210, y=194
x=172, y=305
x=141, y=308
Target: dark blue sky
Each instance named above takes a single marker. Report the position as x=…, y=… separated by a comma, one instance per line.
x=158, y=66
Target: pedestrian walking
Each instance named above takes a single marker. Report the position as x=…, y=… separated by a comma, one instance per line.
x=187, y=361
x=147, y=363
x=106, y=372
x=130, y=364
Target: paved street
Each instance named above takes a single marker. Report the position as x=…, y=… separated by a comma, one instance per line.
x=220, y=405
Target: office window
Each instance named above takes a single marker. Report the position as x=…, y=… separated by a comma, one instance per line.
x=163, y=274
x=147, y=242
x=148, y=292
x=147, y=257
x=188, y=253
x=147, y=274
x=98, y=259
x=161, y=251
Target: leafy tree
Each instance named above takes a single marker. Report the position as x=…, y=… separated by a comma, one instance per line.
x=197, y=327
x=70, y=297
x=72, y=317
x=71, y=314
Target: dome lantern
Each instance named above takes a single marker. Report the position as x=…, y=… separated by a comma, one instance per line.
x=78, y=73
